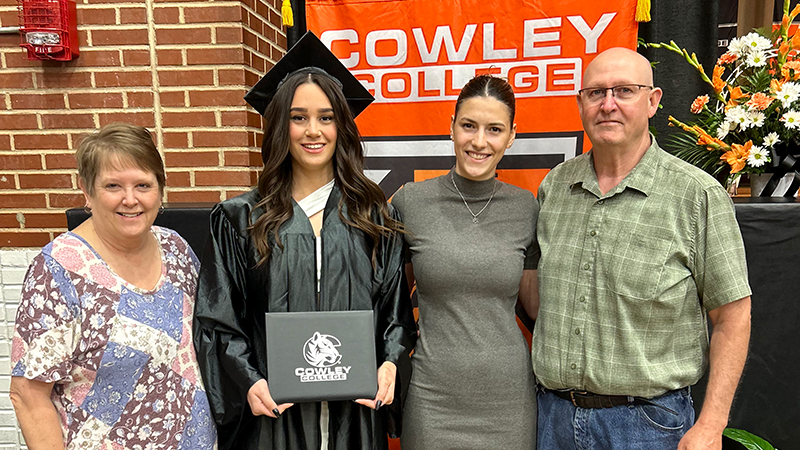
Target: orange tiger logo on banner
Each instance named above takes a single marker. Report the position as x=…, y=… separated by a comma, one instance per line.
x=415, y=55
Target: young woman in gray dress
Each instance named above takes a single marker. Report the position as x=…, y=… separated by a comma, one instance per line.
x=471, y=242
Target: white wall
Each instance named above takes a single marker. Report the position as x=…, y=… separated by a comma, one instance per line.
x=13, y=265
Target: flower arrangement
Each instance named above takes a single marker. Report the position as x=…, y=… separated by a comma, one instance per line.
x=754, y=123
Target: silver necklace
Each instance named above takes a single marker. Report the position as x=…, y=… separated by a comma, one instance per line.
x=474, y=215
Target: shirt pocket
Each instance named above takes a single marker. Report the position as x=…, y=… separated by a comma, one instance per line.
x=636, y=265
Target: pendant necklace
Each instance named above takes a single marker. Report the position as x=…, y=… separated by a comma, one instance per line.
x=474, y=215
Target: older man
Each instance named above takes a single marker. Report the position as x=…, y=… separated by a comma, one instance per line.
x=638, y=249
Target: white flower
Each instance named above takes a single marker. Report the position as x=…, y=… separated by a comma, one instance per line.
x=756, y=59
x=756, y=118
x=38, y=300
x=771, y=139
x=758, y=156
x=737, y=116
x=120, y=352
x=791, y=119
x=737, y=46
x=48, y=321
x=97, y=321
x=755, y=42
x=723, y=129
x=169, y=421
x=144, y=432
x=788, y=93
x=61, y=310
x=140, y=392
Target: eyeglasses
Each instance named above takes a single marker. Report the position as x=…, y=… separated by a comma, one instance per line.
x=621, y=93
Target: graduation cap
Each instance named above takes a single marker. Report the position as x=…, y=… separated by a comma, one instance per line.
x=309, y=51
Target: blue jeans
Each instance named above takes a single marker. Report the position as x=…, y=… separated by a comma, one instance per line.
x=563, y=426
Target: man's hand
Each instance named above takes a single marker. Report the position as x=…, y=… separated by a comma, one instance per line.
x=730, y=336
x=702, y=437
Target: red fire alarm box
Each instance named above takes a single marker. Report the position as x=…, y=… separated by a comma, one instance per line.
x=49, y=29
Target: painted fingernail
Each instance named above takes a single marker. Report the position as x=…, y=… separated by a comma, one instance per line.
x=276, y=412
x=378, y=405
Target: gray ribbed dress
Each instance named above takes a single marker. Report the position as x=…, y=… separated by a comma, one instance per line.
x=472, y=384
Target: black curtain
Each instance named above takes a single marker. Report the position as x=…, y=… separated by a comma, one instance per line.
x=692, y=25
x=293, y=34
x=779, y=9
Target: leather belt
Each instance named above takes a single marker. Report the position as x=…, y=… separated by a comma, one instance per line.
x=584, y=399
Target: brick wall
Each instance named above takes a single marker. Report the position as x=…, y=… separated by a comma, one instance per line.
x=179, y=68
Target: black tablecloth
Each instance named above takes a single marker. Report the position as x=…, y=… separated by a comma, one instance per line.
x=767, y=402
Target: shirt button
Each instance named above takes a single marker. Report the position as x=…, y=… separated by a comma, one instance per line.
x=586, y=266
x=593, y=233
x=600, y=202
x=583, y=299
x=577, y=331
x=574, y=366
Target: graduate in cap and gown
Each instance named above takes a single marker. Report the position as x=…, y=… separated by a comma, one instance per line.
x=315, y=235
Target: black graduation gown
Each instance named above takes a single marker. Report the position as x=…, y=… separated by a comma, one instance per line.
x=233, y=295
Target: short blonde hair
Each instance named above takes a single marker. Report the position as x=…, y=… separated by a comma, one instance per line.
x=118, y=142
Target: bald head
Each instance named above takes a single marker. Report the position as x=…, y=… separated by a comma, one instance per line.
x=622, y=62
x=618, y=124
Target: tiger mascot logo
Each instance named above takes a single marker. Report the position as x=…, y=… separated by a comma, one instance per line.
x=321, y=350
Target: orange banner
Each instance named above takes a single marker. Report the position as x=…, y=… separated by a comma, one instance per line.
x=415, y=55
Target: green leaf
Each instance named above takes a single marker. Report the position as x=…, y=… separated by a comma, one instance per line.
x=765, y=32
x=749, y=440
x=684, y=146
x=758, y=81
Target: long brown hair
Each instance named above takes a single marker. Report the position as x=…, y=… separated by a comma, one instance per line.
x=364, y=199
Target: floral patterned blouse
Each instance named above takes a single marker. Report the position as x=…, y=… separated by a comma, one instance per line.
x=121, y=358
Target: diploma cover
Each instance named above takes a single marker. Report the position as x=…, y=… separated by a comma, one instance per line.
x=321, y=356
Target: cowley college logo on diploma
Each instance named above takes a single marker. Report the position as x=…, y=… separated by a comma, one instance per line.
x=322, y=352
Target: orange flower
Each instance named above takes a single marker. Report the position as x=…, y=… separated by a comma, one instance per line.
x=727, y=58
x=736, y=94
x=699, y=103
x=775, y=85
x=673, y=122
x=784, y=48
x=790, y=70
x=716, y=79
x=760, y=101
x=796, y=39
x=737, y=156
x=706, y=140
x=794, y=12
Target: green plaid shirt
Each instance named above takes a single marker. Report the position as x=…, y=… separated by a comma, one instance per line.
x=626, y=278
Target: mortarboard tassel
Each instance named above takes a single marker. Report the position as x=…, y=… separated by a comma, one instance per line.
x=286, y=13
x=643, y=11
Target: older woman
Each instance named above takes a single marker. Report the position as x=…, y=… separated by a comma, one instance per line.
x=102, y=352
x=473, y=251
